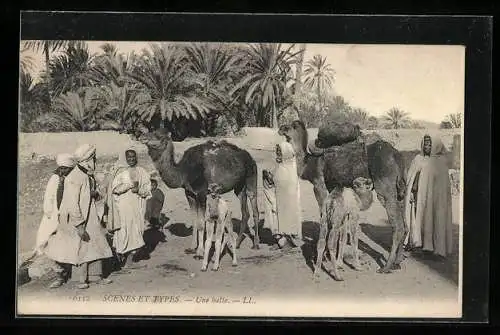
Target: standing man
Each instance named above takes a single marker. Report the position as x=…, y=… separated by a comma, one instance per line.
x=79, y=239
x=130, y=188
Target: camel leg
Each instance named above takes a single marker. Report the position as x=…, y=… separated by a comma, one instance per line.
x=201, y=206
x=194, y=219
x=320, y=191
x=218, y=244
x=406, y=231
x=395, y=217
x=255, y=213
x=209, y=226
x=320, y=248
x=355, y=240
x=342, y=242
x=332, y=246
x=244, y=216
x=231, y=242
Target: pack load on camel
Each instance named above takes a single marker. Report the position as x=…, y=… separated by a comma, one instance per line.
x=334, y=133
x=345, y=145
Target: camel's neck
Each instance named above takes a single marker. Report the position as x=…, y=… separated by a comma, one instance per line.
x=170, y=173
x=300, y=148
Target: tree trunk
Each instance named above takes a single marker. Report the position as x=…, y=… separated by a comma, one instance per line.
x=298, y=73
x=298, y=79
x=46, y=53
x=275, y=115
x=320, y=105
x=456, y=150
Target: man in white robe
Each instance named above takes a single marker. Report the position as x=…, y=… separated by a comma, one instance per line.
x=79, y=239
x=127, y=195
x=52, y=200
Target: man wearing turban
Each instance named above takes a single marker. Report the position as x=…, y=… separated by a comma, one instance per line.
x=52, y=200
x=79, y=239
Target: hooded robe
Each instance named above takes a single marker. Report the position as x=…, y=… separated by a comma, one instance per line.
x=429, y=219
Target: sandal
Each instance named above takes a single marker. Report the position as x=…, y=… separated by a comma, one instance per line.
x=57, y=283
x=275, y=247
x=82, y=286
x=104, y=281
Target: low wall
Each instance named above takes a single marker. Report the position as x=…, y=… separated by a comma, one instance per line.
x=36, y=146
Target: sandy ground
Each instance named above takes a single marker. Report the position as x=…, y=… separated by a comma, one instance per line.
x=260, y=273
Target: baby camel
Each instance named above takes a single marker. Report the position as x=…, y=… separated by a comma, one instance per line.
x=218, y=218
x=340, y=217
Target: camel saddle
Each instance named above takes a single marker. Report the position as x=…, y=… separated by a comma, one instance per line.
x=346, y=162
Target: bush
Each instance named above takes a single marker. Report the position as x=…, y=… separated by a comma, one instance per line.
x=224, y=126
x=50, y=122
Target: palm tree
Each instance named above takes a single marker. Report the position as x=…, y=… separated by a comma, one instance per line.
x=109, y=49
x=47, y=47
x=319, y=75
x=455, y=120
x=298, y=69
x=269, y=71
x=33, y=99
x=396, y=118
x=77, y=110
x=213, y=67
x=164, y=83
x=359, y=116
x=298, y=79
x=112, y=67
x=118, y=103
x=71, y=70
x=26, y=61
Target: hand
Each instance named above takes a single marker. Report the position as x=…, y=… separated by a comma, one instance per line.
x=83, y=233
x=412, y=197
x=279, y=159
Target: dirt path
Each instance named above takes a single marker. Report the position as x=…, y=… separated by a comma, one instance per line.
x=261, y=272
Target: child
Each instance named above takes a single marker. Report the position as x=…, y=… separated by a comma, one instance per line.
x=153, y=233
x=154, y=205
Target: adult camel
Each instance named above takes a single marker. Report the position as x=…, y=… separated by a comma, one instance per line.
x=221, y=163
x=332, y=167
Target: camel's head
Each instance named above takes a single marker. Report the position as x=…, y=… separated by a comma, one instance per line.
x=214, y=195
x=296, y=133
x=154, y=139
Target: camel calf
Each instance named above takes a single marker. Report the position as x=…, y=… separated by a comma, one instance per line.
x=218, y=218
x=339, y=218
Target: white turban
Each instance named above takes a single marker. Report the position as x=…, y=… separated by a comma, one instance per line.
x=66, y=160
x=84, y=152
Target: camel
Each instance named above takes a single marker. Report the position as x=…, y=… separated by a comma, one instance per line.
x=221, y=163
x=329, y=168
x=218, y=228
x=340, y=218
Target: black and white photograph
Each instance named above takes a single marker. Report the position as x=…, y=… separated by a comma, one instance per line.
x=168, y=178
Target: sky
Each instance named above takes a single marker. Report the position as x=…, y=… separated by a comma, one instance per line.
x=426, y=81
